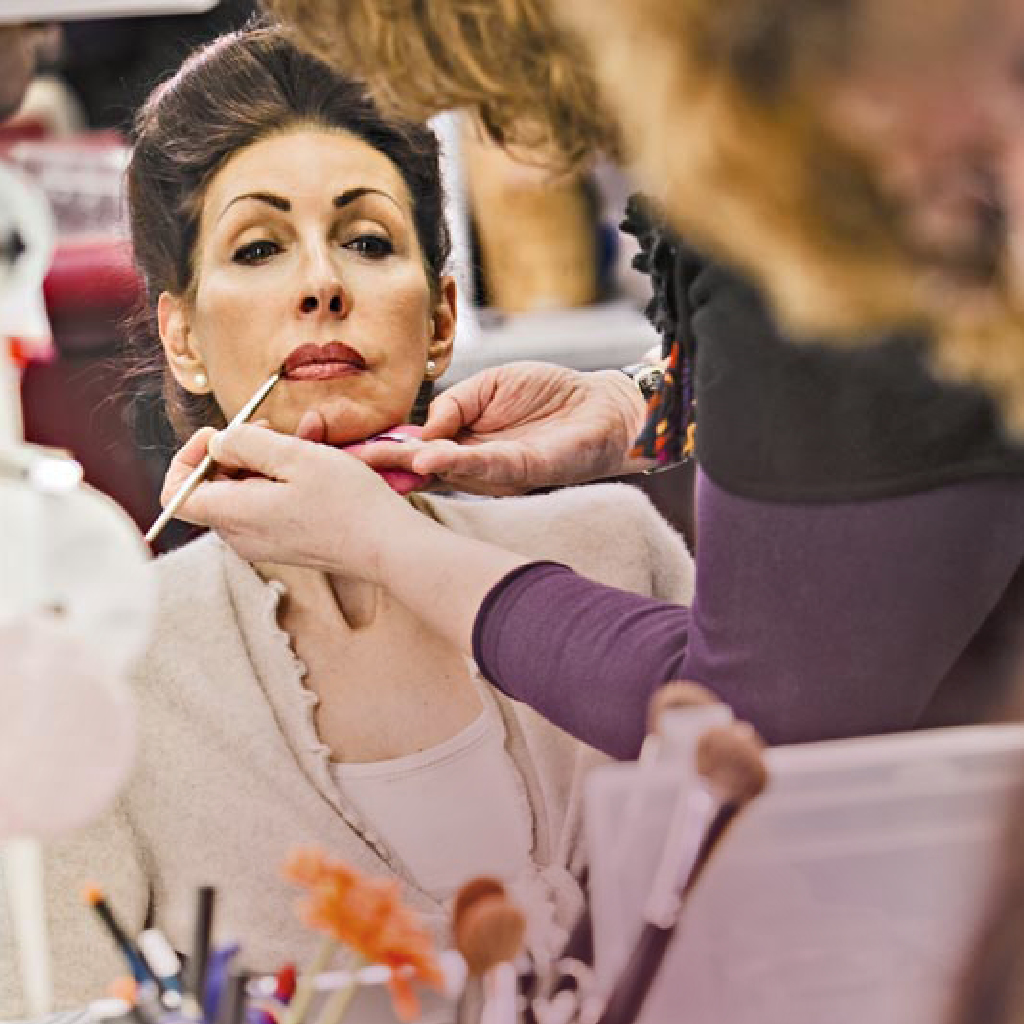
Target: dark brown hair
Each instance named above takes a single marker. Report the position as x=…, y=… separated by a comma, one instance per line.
x=228, y=95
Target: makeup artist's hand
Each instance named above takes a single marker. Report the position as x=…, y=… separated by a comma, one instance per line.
x=525, y=425
x=297, y=503
x=308, y=504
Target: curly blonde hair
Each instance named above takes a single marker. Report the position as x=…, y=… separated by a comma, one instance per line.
x=730, y=130
x=528, y=81
x=719, y=106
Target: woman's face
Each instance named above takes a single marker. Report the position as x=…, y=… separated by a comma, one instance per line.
x=308, y=257
x=937, y=97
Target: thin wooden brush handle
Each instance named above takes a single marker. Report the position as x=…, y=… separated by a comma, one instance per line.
x=723, y=818
x=195, y=478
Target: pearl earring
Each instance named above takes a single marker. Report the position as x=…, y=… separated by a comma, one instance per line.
x=200, y=379
x=431, y=367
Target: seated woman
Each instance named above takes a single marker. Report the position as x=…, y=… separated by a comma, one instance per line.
x=278, y=218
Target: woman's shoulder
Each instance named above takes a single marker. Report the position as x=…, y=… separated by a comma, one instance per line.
x=605, y=507
x=189, y=571
x=192, y=596
x=609, y=532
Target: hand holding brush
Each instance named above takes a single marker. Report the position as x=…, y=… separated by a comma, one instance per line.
x=203, y=470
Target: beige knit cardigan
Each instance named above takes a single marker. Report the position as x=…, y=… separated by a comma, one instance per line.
x=231, y=773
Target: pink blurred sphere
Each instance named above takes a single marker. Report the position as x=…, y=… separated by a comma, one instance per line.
x=67, y=730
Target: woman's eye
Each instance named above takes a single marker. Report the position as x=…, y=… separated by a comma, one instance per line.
x=371, y=246
x=256, y=252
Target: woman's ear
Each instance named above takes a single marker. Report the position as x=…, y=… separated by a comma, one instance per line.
x=442, y=323
x=183, y=357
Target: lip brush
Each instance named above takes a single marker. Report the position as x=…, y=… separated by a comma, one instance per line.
x=196, y=477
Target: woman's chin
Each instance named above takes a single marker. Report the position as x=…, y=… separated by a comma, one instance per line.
x=350, y=430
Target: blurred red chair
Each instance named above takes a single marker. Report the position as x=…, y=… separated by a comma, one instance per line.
x=80, y=401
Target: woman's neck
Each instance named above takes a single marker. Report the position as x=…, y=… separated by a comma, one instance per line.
x=312, y=592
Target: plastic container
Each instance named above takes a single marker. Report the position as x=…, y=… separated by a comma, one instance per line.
x=847, y=894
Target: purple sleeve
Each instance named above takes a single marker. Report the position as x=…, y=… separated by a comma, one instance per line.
x=811, y=621
x=585, y=656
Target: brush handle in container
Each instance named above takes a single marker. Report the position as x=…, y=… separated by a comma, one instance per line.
x=637, y=978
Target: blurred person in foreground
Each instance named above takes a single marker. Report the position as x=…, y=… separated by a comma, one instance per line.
x=863, y=160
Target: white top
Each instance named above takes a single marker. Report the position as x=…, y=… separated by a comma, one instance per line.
x=452, y=812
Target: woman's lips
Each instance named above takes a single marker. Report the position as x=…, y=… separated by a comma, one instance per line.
x=323, y=362
x=322, y=371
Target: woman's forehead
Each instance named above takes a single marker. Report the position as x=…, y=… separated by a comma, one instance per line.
x=305, y=165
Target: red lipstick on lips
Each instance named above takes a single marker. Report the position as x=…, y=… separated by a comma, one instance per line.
x=323, y=362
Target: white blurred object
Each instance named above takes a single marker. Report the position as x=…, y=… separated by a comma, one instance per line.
x=75, y=610
x=53, y=105
x=456, y=211
x=15, y=11
x=68, y=635
x=590, y=338
x=28, y=238
x=22, y=869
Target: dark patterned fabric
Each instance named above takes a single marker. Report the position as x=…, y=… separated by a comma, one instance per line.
x=667, y=436
x=795, y=420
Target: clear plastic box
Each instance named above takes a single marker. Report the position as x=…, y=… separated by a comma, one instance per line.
x=847, y=894
x=83, y=178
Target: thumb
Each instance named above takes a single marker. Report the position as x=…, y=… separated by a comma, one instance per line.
x=312, y=426
x=453, y=411
x=256, y=450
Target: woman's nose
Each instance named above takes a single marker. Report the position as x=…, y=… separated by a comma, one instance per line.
x=327, y=300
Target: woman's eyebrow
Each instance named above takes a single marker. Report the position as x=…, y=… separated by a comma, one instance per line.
x=277, y=202
x=352, y=194
x=280, y=203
